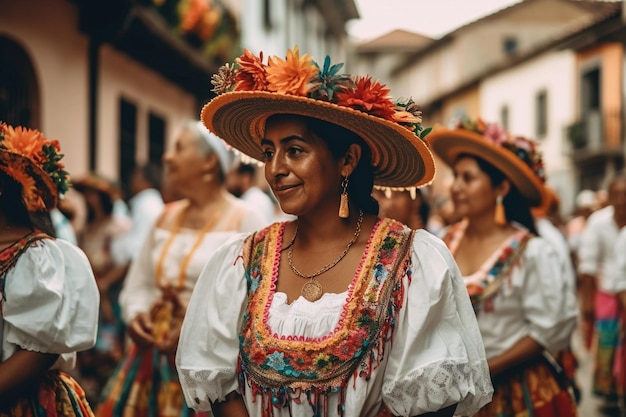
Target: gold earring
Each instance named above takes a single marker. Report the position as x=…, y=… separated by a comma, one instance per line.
x=344, y=209
x=499, y=215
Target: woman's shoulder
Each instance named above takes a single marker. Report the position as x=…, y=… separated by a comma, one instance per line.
x=55, y=250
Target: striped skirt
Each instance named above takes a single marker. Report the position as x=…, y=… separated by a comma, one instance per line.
x=535, y=388
x=144, y=385
x=55, y=395
x=607, y=341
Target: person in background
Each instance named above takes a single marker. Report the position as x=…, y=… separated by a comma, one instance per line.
x=585, y=205
x=523, y=299
x=340, y=312
x=102, y=227
x=406, y=206
x=48, y=294
x=160, y=280
x=242, y=182
x=146, y=204
x=62, y=227
x=600, y=307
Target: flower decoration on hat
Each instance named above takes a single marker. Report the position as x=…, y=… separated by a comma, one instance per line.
x=35, y=162
x=302, y=76
x=524, y=148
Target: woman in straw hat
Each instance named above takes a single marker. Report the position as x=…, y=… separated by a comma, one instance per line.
x=157, y=288
x=48, y=295
x=338, y=313
x=524, y=303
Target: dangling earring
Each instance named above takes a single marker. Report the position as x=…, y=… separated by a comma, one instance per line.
x=344, y=210
x=499, y=215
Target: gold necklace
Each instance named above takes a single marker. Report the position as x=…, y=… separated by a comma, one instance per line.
x=312, y=289
x=182, y=273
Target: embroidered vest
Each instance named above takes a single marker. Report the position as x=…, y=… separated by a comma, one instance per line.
x=280, y=369
x=482, y=292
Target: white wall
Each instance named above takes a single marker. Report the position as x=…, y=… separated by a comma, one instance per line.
x=517, y=88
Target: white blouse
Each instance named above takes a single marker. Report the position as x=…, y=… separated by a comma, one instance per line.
x=50, y=303
x=140, y=290
x=618, y=274
x=435, y=358
x=535, y=300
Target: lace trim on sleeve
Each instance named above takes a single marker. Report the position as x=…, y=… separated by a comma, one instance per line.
x=440, y=384
x=203, y=387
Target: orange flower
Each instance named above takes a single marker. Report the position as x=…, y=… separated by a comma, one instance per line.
x=25, y=142
x=251, y=75
x=193, y=14
x=291, y=76
x=370, y=97
x=30, y=193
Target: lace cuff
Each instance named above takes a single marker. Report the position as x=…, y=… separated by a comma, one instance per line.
x=203, y=387
x=438, y=385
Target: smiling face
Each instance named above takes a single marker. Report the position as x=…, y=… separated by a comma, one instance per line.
x=472, y=192
x=299, y=167
x=184, y=162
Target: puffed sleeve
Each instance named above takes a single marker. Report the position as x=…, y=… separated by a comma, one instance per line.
x=51, y=302
x=209, y=344
x=549, y=302
x=139, y=291
x=437, y=357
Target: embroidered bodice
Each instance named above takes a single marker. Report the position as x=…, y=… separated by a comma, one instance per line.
x=403, y=334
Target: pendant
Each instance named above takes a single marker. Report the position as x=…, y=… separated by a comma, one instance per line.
x=312, y=290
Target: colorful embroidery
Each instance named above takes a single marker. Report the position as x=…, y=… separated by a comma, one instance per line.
x=482, y=292
x=280, y=369
x=10, y=255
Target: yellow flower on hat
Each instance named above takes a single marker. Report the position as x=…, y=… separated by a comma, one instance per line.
x=292, y=75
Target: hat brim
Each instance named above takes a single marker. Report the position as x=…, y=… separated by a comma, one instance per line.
x=45, y=188
x=399, y=157
x=448, y=144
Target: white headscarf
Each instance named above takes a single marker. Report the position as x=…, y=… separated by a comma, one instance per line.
x=218, y=146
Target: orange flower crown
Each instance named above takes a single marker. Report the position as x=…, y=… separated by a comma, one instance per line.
x=302, y=76
x=43, y=153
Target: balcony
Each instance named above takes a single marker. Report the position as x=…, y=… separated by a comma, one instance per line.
x=596, y=135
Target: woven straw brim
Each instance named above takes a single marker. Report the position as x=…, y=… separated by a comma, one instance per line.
x=45, y=187
x=399, y=157
x=448, y=144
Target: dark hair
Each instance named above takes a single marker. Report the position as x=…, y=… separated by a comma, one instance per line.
x=424, y=210
x=11, y=202
x=361, y=182
x=13, y=207
x=515, y=205
x=246, y=169
x=153, y=174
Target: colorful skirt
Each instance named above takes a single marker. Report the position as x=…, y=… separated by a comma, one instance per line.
x=536, y=388
x=607, y=340
x=56, y=395
x=144, y=385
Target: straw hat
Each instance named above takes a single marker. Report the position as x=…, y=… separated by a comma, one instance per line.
x=33, y=161
x=515, y=156
x=252, y=91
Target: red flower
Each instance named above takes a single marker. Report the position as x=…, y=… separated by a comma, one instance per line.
x=370, y=97
x=251, y=75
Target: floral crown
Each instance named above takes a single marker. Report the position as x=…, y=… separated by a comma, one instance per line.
x=524, y=148
x=43, y=153
x=302, y=76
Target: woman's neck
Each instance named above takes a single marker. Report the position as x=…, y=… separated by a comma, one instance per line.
x=326, y=227
x=482, y=226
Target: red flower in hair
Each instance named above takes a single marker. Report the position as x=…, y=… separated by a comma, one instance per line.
x=370, y=97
